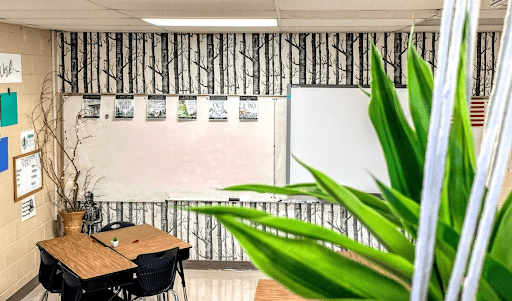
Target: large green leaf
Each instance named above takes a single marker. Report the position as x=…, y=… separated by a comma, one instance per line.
x=310, y=269
x=394, y=263
x=312, y=189
x=399, y=142
x=381, y=228
x=461, y=151
x=420, y=85
x=500, y=246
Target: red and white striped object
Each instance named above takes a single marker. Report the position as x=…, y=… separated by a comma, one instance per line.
x=477, y=110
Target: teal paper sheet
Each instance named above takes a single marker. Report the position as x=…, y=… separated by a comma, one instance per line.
x=8, y=109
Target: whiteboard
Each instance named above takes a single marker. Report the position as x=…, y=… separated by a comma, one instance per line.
x=152, y=160
x=28, y=175
x=331, y=131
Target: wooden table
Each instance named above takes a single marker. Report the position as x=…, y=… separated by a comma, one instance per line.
x=144, y=239
x=270, y=290
x=98, y=267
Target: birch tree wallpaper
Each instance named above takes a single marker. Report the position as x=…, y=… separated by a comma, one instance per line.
x=241, y=63
x=244, y=63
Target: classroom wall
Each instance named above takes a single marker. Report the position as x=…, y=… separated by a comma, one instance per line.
x=19, y=257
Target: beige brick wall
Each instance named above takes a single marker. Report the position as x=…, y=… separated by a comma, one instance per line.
x=19, y=257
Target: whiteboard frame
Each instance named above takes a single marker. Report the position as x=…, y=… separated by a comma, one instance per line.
x=19, y=198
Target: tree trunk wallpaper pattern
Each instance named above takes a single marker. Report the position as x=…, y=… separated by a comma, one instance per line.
x=244, y=63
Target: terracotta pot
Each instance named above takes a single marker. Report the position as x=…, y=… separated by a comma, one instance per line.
x=72, y=222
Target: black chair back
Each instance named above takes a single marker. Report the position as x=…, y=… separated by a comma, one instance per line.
x=71, y=286
x=156, y=272
x=116, y=225
x=47, y=269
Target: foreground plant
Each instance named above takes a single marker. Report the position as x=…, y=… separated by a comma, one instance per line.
x=311, y=270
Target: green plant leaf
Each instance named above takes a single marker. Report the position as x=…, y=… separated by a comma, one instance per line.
x=461, y=152
x=313, y=190
x=311, y=270
x=420, y=85
x=381, y=228
x=498, y=277
x=500, y=246
x=399, y=142
x=401, y=267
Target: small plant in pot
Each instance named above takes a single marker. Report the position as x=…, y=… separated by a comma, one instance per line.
x=114, y=242
x=59, y=157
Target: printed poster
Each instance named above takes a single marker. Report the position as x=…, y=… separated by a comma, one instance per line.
x=124, y=106
x=28, y=208
x=10, y=68
x=218, y=107
x=156, y=106
x=187, y=107
x=91, y=105
x=248, y=108
x=27, y=141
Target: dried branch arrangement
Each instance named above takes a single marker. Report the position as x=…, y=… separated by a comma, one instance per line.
x=71, y=183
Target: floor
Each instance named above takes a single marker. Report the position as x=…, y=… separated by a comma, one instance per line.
x=202, y=285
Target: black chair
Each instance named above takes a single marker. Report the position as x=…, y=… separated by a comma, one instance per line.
x=72, y=289
x=116, y=225
x=155, y=274
x=50, y=275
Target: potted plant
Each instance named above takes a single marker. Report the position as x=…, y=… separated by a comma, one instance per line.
x=304, y=265
x=114, y=242
x=70, y=182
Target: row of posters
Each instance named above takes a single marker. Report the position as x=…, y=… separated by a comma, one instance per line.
x=156, y=106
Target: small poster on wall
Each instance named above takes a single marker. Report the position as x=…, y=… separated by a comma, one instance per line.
x=156, y=106
x=218, y=107
x=10, y=71
x=91, y=105
x=124, y=106
x=187, y=107
x=248, y=108
x=27, y=141
x=28, y=208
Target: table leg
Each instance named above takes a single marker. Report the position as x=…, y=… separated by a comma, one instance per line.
x=182, y=275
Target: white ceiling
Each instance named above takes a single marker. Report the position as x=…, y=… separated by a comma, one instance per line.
x=292, y=15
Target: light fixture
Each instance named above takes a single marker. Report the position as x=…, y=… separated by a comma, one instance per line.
x=214, y=22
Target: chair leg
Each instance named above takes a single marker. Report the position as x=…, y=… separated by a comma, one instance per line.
x=44, y=297
x=175, y=295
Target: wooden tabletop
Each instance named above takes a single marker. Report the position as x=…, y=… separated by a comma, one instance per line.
x=270, y=290
x=86, y=257
x=140, y=239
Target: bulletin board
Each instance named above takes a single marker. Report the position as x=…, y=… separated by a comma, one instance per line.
x=28, y=174
x=144, y=160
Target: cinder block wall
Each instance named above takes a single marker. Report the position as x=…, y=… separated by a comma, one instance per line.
x=19, y=257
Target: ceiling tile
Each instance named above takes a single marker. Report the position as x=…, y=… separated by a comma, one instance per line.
x=253, y=14
x=322, y=29
x=194, y=5
x=360, y=4
x=346, y=22
x=363, y=14
x=68, y=14
x=115, y=28
x=49, y=5
x=81, y=22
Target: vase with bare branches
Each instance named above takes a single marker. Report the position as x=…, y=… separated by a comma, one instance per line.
x=71, y=183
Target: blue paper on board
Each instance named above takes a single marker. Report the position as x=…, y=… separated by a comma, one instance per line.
x=4, y=154
x=9, y=109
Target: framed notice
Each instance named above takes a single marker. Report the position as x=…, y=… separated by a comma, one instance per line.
x=124, y=106
x=28, y=174
x=91, y=104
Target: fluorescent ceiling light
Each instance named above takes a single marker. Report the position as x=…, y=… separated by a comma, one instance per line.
x=214, y=22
